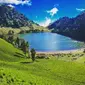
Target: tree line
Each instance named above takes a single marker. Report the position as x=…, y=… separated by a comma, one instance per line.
x=19, y=43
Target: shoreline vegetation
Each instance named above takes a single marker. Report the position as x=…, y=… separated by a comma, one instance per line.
x=22, y=30
x=63, y=51
x=67, y=55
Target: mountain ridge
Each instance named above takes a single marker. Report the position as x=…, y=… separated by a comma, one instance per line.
x=10, y=17
x=70, y=27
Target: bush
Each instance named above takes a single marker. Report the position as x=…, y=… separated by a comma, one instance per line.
x=84, y=51
x=33, y=53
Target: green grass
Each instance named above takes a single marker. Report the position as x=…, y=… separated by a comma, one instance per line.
x=15, y=70
x=8, y=52
x=43, y=72
x=6, y=30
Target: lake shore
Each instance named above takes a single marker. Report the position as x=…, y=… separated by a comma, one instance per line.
x=58, y=52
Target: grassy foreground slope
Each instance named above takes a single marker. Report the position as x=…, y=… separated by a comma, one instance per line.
x=8, y=52
x=15, y=70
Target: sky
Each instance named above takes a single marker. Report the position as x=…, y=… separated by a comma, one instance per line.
x=45, y=12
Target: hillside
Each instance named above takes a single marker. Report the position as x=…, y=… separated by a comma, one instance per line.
x=9, y=52
x=11, y=18
x=71, y=27
x=15, y=69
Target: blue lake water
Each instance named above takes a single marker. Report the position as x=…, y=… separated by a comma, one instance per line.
x=50, y=42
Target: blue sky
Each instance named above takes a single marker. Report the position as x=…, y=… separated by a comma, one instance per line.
x=46, y=11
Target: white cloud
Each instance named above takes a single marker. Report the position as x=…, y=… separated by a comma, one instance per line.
x=80, y=9
x=11, y=6
x=16, y=2
x=46, y=22
x=53, y=11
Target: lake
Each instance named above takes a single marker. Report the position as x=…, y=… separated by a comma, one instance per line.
x=51, y=42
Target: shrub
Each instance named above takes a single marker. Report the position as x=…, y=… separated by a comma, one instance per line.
x=33, y=53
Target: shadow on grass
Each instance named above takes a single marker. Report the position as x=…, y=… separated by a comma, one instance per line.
x=29, y=62
x=19, y=55
x=26, y=62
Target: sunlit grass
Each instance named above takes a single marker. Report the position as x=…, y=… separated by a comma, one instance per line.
x=57, y=70
x=6, y=30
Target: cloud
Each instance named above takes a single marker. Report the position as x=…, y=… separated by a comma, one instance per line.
x=80, y=9
x=11, y=6
x=56, y=5
x=53, y=11
x=46, y=22
x=16, y=2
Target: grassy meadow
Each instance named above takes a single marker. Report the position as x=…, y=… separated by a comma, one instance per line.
x=5, y=30
x=63, y=69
